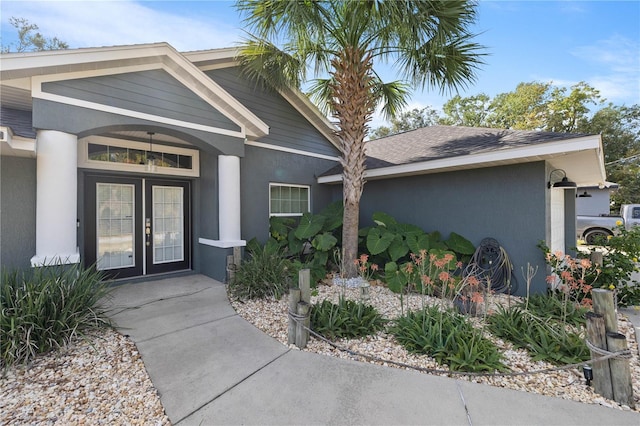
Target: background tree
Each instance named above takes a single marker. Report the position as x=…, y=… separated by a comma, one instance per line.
x=406, y=121
x=428, y=42
x=471, y=111
x=522, y=109
x=28, y=41
x=566, y=113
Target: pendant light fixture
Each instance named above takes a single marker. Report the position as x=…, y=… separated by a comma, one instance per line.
x=151, y=161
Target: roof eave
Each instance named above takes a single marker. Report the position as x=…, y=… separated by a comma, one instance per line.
x=550, y=151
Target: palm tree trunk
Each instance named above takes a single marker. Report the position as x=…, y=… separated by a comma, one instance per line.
x=353, y=106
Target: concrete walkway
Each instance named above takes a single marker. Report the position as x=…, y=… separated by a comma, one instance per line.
x=210, y=366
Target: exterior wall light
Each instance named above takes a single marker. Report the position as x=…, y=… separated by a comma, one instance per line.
x=558, y=179
x=585, y=194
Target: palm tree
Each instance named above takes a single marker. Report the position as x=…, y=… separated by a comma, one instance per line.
x=426, y=41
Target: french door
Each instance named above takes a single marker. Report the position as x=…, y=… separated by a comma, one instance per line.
x=137, y=226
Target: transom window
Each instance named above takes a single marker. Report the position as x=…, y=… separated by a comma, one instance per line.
x=288, y=200
x=117, y=154
x=105, y=153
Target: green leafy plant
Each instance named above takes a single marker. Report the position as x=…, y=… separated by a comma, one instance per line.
x=449, y=338
x=308, y=240
x=391, y=241
x=553, y=307
x=43, y=309
x=346, y=319
x=620, y=259
x=265, y=273
x=544, y=338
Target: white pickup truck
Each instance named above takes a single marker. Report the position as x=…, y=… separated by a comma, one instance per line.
x=592, y=228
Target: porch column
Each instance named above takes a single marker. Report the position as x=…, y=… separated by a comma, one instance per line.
x=229, y=201
x=56, y=198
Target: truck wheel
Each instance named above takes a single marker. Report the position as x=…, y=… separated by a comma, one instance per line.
x=596, y=236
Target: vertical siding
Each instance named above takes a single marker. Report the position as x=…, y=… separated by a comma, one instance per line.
x=18, y=219
x=288, y=128
x=505, y=203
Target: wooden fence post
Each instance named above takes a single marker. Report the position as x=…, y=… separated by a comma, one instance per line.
x=603, y=304
x=596, y=335
x=620, y=370
x=294, y=299
x=304, y=283
x=302, y=334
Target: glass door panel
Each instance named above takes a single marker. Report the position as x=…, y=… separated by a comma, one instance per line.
x=115, y=242
x=168, y=220
x=167, y=211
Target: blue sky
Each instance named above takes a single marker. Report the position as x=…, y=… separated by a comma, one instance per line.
x=560, y=41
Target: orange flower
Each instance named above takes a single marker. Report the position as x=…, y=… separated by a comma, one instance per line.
x=374, y=267
x=585, y=263
x=477, y=297
x=443, y=276
x=364, y=258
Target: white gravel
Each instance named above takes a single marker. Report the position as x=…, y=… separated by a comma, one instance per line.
x=270, y=316
x=100, y=380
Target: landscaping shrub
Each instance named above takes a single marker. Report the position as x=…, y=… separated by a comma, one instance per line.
x=554, y=308
x=346, y=319
x=545, y=338
x=449, y=338
x=265, y=273
x=44, y=308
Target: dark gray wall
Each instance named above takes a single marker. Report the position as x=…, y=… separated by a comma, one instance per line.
x=18, y=212
x=506, y=203
x=263, y=166
x=287, y=127
x=151, y=92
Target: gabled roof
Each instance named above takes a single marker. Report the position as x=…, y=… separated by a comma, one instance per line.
x=437, y=149
x=23, y=73
x=20, y=70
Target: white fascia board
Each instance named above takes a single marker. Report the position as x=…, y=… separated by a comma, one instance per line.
x=68, y=57
x=292, y=150
x=505, y=156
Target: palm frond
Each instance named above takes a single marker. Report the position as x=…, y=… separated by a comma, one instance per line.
x=268, y=66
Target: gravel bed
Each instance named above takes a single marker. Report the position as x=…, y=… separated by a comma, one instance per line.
x=99, y=380
x=270, y=316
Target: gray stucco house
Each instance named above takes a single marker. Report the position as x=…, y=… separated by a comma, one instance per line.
x=148, y=160
x=151, y=161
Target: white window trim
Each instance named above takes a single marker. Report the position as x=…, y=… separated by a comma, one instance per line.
x=84, y=162
x=289, y=185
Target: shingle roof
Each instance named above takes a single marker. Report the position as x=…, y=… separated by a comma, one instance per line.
x=438, y=142
x=19, y=121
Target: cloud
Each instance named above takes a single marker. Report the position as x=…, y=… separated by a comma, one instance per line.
x=110, y=23
x=618, y=55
